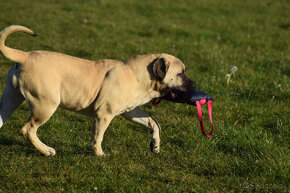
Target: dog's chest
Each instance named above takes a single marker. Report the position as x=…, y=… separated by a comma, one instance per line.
x=139, y=101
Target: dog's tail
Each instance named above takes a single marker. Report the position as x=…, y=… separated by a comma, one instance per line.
x=13, y=54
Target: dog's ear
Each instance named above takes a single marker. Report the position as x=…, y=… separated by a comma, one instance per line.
x=160, y=67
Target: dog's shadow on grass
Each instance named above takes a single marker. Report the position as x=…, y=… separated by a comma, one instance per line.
x=27, y=148
x=285, y=26
x=8, y=141
x=15, y=145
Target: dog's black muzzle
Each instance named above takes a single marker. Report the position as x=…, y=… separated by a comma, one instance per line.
x=186, y=93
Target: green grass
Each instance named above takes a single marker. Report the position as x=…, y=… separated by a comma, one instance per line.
x=250, y=147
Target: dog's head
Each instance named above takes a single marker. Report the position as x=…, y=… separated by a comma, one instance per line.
x=169, y=72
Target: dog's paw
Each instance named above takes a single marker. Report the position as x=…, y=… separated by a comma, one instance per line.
x=154, y=148
x=101, y=154
x=50, y=152
x=97, y=151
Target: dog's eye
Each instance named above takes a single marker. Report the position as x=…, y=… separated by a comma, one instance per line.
x=181, y=74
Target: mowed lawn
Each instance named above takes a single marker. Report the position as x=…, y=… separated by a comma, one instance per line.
x=249, y=150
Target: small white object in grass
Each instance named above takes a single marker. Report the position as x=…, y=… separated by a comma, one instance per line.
x=234, y=69
x=235, y=93
x=85, y=21
x=228, y=75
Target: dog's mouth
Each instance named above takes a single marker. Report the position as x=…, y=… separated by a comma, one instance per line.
x=172, y=93
x=175, y=93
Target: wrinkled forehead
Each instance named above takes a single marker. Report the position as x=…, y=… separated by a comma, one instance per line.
x=176, y=65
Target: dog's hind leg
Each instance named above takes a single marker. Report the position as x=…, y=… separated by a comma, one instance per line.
x=138, y=116
x=40, y=113
x=11, y=99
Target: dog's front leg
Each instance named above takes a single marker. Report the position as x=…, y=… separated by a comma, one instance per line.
x=100, y=124
x=138, y=116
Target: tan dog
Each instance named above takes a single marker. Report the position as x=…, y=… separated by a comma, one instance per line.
x=98, y=89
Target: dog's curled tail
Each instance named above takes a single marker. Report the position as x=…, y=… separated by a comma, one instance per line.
x=13, y=54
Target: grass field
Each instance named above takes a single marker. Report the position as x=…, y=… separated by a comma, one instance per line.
x=250, y=147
